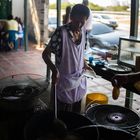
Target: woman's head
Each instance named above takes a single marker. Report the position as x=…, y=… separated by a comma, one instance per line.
x=79, y=14
x=79, y=10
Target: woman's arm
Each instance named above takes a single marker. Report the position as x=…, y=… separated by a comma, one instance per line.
x=54, y=46
x=46, y=55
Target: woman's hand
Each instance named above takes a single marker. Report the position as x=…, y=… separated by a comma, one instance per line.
x=86, y=66
x=119, y=80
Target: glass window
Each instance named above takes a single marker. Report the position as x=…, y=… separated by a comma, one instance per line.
x=115, y=13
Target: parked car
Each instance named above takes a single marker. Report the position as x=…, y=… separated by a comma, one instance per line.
x=102, y=37
x=52, y=24
x=106, y=20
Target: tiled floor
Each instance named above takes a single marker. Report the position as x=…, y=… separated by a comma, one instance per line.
x=18, y=62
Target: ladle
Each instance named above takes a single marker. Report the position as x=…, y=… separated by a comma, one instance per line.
x=59, y=127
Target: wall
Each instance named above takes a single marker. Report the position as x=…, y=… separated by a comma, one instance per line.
x=18, y=8
x=38, y=13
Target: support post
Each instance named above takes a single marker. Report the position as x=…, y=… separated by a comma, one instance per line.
x=58, y=12
x=25, y=25
x=134, y=18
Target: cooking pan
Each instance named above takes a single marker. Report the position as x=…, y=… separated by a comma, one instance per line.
x=114, y=116
x=39, y=127
x=19, y=97
x=41, y=123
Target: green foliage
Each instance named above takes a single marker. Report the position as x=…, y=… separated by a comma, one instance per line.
x=52, y=6
x=95, y=7
x=63, y=5
x=117, y=8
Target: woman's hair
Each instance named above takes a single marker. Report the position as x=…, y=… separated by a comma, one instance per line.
x=79, y=10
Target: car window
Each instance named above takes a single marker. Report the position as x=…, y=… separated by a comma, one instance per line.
x=100, y=29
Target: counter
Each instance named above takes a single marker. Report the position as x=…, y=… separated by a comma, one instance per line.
x=108, y=74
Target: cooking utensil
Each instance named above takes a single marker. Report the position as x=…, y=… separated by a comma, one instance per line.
x=59, y=127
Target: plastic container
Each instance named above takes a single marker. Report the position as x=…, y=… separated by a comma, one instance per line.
x=98, y=98
x=90, y=59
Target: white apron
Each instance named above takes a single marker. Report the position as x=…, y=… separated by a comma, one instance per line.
x=72, y=84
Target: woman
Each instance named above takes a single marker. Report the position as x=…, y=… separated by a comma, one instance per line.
x=68, y=43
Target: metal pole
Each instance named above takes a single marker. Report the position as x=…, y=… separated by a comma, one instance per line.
x=25, y=25
x=129, y=99
x=134, y=18
x=58, y=12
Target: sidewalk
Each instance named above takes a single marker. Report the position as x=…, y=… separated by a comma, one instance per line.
x=18, y=62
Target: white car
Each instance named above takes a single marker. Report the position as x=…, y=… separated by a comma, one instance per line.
x=103, y=37
x=106, y=20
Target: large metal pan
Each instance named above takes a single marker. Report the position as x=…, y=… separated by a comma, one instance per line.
x=114, y=116
x=41, y=123
x=79, y=127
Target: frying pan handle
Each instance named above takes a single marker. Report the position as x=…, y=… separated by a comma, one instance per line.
x=54, y=99
x=91, y=104
x=138, y=126
x=55, y=102
x=135, y=129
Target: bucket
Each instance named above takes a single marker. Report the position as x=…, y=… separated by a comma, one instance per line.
x=98, y=98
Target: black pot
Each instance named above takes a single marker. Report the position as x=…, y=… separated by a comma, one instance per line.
x=40, y=123
x=19, y=97
x=114, y=116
